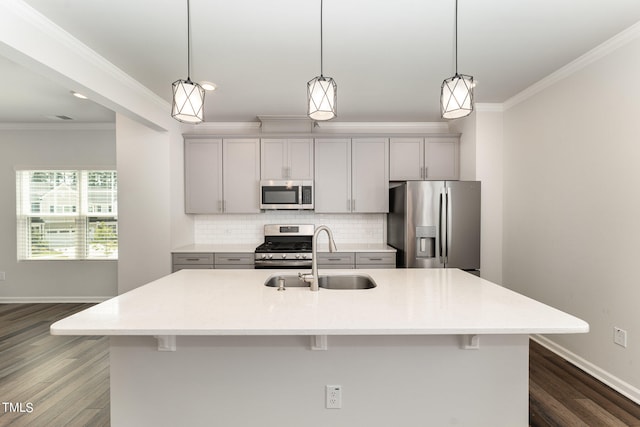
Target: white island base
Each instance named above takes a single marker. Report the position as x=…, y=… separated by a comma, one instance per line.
x=279, y=381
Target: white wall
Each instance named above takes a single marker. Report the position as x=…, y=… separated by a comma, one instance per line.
x=572, y=207
x=51, y=146
x=144, y=203
x=467, y=128
x=489, y=170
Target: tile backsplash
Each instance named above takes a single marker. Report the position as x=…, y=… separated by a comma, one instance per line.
x=249, y=228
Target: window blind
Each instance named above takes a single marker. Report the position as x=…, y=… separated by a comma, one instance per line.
x=67, y=214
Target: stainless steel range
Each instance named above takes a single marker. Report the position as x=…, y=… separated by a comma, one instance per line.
x=285, y=246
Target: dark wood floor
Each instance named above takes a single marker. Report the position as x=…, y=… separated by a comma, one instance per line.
x=66, y=379
x=562, y=395
x=53, y=380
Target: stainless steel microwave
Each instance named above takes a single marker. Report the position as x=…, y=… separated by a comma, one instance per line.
x=277, y=194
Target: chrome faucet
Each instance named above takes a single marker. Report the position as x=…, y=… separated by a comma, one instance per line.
x=313, y=277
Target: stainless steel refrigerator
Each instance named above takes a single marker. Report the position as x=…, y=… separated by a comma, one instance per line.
x=435, y=224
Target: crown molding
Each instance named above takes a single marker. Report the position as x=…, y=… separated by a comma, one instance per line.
x=600, y=51
x=57, y=126
x=489, y=107
x=222, y=128
x=378, y=127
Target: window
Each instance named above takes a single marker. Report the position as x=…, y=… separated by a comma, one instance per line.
x=67, y=214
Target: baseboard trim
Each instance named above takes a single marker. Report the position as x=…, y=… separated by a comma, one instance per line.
x=51, y=300
x=612, y=381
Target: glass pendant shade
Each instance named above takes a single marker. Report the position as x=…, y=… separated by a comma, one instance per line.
x=188, y=101
x=456, y=96
x=322, y=97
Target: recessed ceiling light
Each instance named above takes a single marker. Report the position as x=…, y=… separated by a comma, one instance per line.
x=208, y=85
x=58, y=117
x=78, y=95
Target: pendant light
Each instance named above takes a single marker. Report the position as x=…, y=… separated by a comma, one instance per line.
x=456, y=93
x=188, y=97
x=322, y=92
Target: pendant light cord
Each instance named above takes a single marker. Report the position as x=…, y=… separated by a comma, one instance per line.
x=321, y=38
x=188, y=42
x=456, y=37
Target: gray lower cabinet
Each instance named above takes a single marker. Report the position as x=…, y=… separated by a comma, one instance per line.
x=375, y=260
x=357, y=260
x=182, y=261
x=336, y=260
x=234, y=260
x=187, y=260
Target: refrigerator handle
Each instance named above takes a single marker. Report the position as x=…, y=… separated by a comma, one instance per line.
x=449, y=224
x=442, y=226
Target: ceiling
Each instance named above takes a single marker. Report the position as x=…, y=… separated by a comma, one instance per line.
x=388, y=57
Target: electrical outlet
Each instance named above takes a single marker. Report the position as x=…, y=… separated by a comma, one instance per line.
x=620, y=336
x=333, y=397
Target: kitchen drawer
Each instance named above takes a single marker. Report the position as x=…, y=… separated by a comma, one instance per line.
x=177, y=267
x=192, y=258
x=371, y=266
x=232, y=259
x=235, y=266
x=371, y=259
x=336, y=259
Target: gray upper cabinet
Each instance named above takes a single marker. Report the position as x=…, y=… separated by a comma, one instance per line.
x=352, y=175
x=370, y=175
x=222, y=175
x=428, y=158
x=332, y=183
x=287, y=158
x=203, y=176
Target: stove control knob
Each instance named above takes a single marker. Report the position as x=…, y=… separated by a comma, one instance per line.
x=269, y=256
x=264, y=256
x=297, y=256
x=304, y=256
x=284, y=256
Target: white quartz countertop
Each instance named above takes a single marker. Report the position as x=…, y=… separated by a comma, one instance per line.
x=220, y=248
x=235, y=302
x=248, y=247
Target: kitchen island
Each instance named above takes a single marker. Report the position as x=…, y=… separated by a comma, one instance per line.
x=217, y=347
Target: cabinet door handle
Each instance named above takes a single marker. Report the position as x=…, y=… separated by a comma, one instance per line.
x=192, y=259
x=348, y=205
x=353, y=205
x=233, y=259
x=375, y=259
x=426, y=172
x=224, y=205
x=219, y=205
x=334, y=259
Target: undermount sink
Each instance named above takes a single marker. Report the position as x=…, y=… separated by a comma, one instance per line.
x=338, y=281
